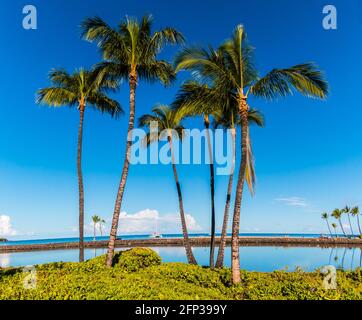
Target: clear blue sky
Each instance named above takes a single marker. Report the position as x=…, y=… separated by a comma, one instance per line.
x=308, y=158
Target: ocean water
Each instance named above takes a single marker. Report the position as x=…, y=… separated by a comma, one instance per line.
x=264, y=259
x=147, y=236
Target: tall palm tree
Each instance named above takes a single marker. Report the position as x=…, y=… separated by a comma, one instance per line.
x=96, y=221
x=190, y=102
x=334, y=226
x=325, y=217
x=82, y=88
x=347, y=211
x=195, y=98
x=131, y=53
x=169, y=127
x=233, y=70
x=337, y=214
x=254, y=117
x=355, y=213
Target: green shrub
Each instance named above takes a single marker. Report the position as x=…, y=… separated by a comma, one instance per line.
x=135, y=259
x=138, y=275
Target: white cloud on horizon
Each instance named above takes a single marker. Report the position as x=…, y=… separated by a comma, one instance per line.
x=293, y=201
x=144, y=222
x=5, y=226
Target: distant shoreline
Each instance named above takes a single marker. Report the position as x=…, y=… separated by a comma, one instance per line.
x=196, y=242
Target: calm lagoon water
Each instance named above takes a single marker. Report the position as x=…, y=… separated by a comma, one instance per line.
x=252, y=258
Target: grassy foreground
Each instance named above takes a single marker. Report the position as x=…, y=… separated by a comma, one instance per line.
x=139, y=274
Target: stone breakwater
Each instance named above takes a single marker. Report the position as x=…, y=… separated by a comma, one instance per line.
x=196, y=242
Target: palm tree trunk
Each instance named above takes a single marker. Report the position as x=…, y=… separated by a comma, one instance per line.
x=359, y=226
x=350, y=224
x=212, y=191
x=94, y=232
x=80, y=181
x=190, y=256
x=329, y=228
x=340, y=223
x=122, y=184
x=235, y=260
x=221, y=252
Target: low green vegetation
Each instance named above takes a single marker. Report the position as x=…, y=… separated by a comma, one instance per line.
x=139, y=274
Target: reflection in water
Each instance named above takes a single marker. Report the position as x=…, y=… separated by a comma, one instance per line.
x=4, y=260
x=347, y=254
x=264, y=259
x=81, y=254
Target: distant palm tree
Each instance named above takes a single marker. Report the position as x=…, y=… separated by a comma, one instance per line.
x=325, y=217
x=355, y=213
x=232, y=70
x=131, y=54
x=347, y=210
x=101, y=223
x=80, y=89
x=334, y=226
x=169, y=127
x=337, y=214
x=96, y=221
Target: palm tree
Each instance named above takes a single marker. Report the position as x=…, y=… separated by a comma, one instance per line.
x=195, y=98
x=325, y=217
x=347, y=210
x=232, y=70
x=82, y=88
x=96, y=221
x=169, y=127
x=131, y=54
x=189, y=102
x=101, y=223
x=254, y=117
x=337, y=214
x=355, y=213
x=334, y=226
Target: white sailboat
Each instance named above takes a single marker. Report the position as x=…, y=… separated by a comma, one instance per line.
x=156, y=234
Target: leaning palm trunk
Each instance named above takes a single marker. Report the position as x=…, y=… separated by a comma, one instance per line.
x=190, y=256
x=329, y=228
x=122, y=185
x=80, y=181
x=350, y=223
x=221, y=252
x=341, y=225
x=212, y=191
x=235, y=261
x=359, y=226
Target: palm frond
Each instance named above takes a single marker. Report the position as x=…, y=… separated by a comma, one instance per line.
x=101, y=102
x=157, y=70
x=250, y=176
x=56, y=96
x=304, y=78
x=108, y=39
